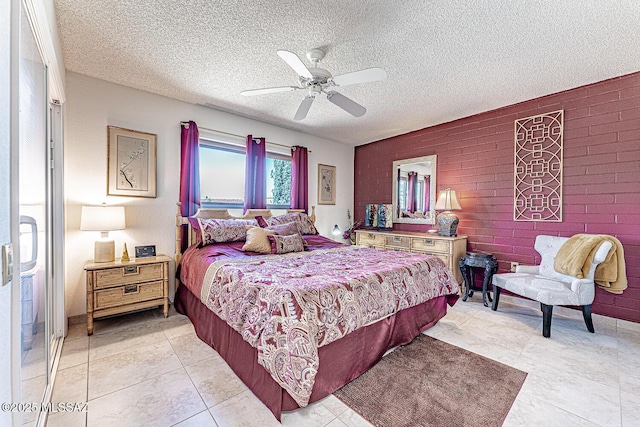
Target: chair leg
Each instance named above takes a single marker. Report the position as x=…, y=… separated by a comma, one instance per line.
x=547, y=310
x=586, y=313
x=496, y=297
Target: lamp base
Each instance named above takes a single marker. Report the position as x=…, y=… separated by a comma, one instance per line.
x=104, y=251
x=447, y=224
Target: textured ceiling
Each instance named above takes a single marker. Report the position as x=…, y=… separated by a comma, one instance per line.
x=444, y=59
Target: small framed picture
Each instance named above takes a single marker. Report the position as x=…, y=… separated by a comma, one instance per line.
x=326, y=185
x=131, y=162
x=145, y=251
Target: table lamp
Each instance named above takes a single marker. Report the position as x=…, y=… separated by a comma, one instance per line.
x=336, y=231
x=104, y=219
x=447, y=220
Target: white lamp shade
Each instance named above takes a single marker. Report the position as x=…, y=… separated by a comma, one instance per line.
x=102, y=218
x=448, y=201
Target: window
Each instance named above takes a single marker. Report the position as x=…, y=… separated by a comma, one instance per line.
x=402, y=193
x=222, y=170
x=419, y=196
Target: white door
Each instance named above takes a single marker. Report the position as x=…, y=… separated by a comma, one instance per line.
x=35, y=216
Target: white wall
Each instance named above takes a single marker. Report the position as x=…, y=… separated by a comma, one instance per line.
x=93, y=104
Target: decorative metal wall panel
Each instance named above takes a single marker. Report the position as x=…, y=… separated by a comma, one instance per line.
x=538, y=168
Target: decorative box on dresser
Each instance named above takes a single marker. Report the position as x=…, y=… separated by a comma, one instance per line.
x=121, y=287
x=448, y=249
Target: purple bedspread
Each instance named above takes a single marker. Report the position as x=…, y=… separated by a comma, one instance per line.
x=287, y=306
x=195, y=261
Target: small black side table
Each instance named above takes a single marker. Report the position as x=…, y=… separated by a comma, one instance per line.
x=482, y=260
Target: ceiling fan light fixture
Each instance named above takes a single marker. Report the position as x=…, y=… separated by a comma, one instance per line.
x=315, y=89
x=317, y=80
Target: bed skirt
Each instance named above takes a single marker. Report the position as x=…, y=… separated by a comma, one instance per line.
x=340, y=362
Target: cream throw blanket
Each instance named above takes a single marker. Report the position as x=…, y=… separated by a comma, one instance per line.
x=576, y=255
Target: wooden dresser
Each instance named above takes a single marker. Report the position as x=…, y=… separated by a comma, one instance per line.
x=448, y=249
x=120, y=287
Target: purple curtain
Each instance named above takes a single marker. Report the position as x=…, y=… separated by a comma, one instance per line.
x=399, y=179
x=255, y=179
x=427, y=194
x=189, y=173
x=412, y=186
x=299, y=178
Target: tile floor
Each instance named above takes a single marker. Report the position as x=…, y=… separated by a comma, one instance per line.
x=142, y=369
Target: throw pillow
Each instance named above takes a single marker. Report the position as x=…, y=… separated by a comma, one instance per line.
x=223, y=230
x=257, y=240
x=286, y=229
x=286, y=244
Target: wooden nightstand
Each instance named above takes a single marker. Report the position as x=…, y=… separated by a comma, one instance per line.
x=120, y=287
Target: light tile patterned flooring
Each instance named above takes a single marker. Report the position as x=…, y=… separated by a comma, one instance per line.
x=145, y=370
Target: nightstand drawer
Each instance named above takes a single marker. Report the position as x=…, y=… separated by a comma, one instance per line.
x=128, y=294
x=427, y=244
x=127, y=274
x=398, y=242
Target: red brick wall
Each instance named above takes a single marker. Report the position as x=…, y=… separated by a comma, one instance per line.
x=601, y=190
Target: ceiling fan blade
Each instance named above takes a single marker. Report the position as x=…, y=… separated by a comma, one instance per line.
x=346, y=104
x=362, y=76
x=303, y=109
x=296, y=63
x=252, y=92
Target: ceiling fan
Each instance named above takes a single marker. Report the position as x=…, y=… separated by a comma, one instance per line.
x=317, y=80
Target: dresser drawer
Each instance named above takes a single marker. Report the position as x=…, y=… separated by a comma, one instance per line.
x=429, y=245
x=128, y=294
x=398, y=242
x=127, y=274
x=370, y=239
x=445, y=258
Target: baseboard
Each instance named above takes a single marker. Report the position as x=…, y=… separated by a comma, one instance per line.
x=77, y=320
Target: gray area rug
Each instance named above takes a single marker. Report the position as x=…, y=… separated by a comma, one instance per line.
x=431, y=383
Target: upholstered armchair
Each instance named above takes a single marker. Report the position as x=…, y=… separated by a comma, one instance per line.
x=545, y=285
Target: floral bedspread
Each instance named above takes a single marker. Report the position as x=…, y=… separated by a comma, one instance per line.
x=287, y=306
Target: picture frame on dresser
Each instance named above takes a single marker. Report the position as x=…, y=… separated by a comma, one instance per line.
x=131, y=162
x=147, y=251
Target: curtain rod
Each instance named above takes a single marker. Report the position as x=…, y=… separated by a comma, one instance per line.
x=239, y=136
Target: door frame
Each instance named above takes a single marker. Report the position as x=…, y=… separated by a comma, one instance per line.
x=41, y=29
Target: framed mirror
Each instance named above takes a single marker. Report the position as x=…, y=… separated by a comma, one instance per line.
x=414, y=190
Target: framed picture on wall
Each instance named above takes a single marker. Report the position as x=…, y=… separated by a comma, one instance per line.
x=131, y=162
x=326, y=185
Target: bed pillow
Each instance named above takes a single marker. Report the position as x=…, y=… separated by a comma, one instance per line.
x=222, y=230
x=193, y=222
x=286, y=244
x=286, y=229
x=304, y=222
x=257, y=239
x=262, y=222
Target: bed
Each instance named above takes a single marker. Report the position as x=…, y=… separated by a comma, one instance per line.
x=296, y=326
